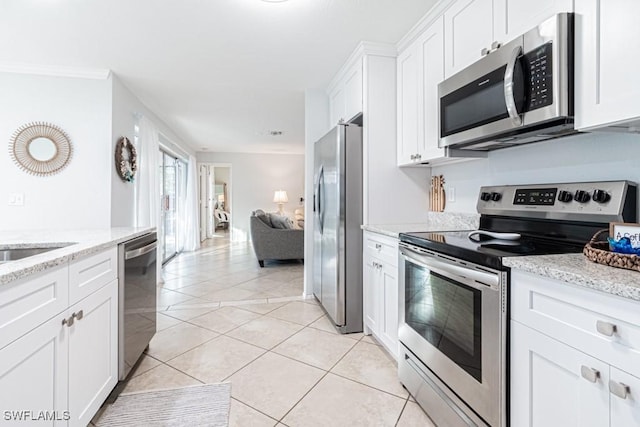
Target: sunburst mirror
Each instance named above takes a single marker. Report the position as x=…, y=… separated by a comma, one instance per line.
x=40, y=148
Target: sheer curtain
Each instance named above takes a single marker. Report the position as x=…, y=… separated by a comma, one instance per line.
x=148, y=182
x=191, y=230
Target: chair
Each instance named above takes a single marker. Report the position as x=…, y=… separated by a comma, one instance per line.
x=222, y=217
x=275, y=243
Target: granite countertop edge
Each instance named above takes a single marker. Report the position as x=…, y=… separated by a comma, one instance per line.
x=577, y=270
x=80, y=244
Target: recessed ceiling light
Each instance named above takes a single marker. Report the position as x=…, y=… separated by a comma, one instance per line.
x=275, y=1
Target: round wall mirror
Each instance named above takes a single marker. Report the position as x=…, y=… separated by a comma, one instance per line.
x=40, y=148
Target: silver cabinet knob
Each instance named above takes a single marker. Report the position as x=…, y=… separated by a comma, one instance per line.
x=378, y=246
x=418, y=156
x=68, y=322
x=413, y=157
x=589, y=374
x=484, y=51
x=495, y=45
x=79, y=315
x=606, y=328
x=619, y=389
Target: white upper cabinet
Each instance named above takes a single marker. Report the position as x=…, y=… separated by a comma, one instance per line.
x=515, y=17
x=606, y=76
x=473, y=27
x=468, y=29
x=420, y=69
x=345, y=98
x=408, y=91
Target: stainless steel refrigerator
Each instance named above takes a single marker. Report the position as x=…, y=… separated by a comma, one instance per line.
x=337, y=216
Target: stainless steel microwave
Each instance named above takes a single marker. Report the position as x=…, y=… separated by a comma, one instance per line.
x=520, y=93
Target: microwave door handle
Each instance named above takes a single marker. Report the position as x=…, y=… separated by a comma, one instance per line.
x=509, y=99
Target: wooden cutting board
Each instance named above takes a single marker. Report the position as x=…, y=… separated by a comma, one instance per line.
x=436, y=194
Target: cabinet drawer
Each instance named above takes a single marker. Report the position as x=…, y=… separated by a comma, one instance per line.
x=27, y=303
x=382, y=247
x=89, y=274
x=604, y=326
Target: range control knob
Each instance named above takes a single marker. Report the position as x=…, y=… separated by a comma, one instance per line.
x=601, y=196
x=582, y=196
x=496, y=196
x=565, y=196
x=485, y=197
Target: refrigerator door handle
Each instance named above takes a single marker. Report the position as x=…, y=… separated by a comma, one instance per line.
x=320, y=207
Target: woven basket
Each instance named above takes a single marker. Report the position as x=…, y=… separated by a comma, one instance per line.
x=598, y=251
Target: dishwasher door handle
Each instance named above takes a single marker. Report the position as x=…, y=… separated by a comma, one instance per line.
x=141, y=251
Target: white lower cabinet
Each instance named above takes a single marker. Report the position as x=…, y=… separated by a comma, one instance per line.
x=33, y=375
x=574, y=355
x=93, y=353
x=64, y=368
x=381, y=290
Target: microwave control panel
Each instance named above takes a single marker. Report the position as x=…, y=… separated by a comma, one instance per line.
x=537, y=68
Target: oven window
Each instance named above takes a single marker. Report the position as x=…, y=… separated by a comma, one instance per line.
x=447, y=314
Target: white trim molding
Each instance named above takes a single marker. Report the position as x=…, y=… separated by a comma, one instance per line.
x=434, y=13
x=55, y=70
x=363, y=48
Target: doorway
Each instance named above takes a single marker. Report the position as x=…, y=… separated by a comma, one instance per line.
x=173, y=181
x=215, y=200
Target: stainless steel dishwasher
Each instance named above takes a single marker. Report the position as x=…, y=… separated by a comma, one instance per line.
x=137, y=260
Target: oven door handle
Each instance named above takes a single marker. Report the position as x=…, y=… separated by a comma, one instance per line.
x=491, y=280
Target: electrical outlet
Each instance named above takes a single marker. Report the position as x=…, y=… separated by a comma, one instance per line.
x=451, y=194
x=16, y=199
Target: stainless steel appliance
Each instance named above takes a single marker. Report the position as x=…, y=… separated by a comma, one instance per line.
x=520, y=93
x=137, y=298
x=454, y=290
x=337, y=216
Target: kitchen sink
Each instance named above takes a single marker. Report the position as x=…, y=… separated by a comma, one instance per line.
x=7, y=255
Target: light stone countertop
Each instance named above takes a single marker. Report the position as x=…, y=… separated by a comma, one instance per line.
x=434, y=221
x=79, y=244
x=576, y=269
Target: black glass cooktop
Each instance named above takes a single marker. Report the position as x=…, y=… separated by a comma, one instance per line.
x=486, y=251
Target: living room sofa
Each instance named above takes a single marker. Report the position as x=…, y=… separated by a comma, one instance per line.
x=273, y=243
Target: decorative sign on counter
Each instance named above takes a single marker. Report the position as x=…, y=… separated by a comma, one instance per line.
x=624, y=238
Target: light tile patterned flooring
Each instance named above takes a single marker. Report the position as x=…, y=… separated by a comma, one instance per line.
x=223, y=318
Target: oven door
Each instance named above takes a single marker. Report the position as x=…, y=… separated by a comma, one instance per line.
x=453, y=318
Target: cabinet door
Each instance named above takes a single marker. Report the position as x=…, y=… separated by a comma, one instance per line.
x=515, y=17
x=607, y=42
x=468, y=28
x=408, y=93
x=93, y=353
x=353, y=92
x=33, y=373
x=547, y=386
x=625, y=411
x=336, y=106
x=389, y=308
x=371, y=294
x=432, y=58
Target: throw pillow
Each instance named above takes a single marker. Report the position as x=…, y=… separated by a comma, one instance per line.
x=280, y=222
x=262, y=216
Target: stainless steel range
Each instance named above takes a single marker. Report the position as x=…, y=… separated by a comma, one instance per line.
x=454, y=291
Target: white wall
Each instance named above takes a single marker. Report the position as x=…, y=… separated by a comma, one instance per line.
x=125, y=106
x=254, y=179
x=589, y=157
x=79, y=196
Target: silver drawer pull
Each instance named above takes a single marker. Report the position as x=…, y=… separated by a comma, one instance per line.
x=606, y=328
x=79, y=315
x=68, y=322
x=378, y=246
x=589, y=374
x=619, y=389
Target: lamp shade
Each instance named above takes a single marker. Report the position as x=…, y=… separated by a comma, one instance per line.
x=280, y=196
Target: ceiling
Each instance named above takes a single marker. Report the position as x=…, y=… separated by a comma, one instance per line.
x=221, y=73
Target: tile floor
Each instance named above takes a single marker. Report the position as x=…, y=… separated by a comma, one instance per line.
x=223, y=318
